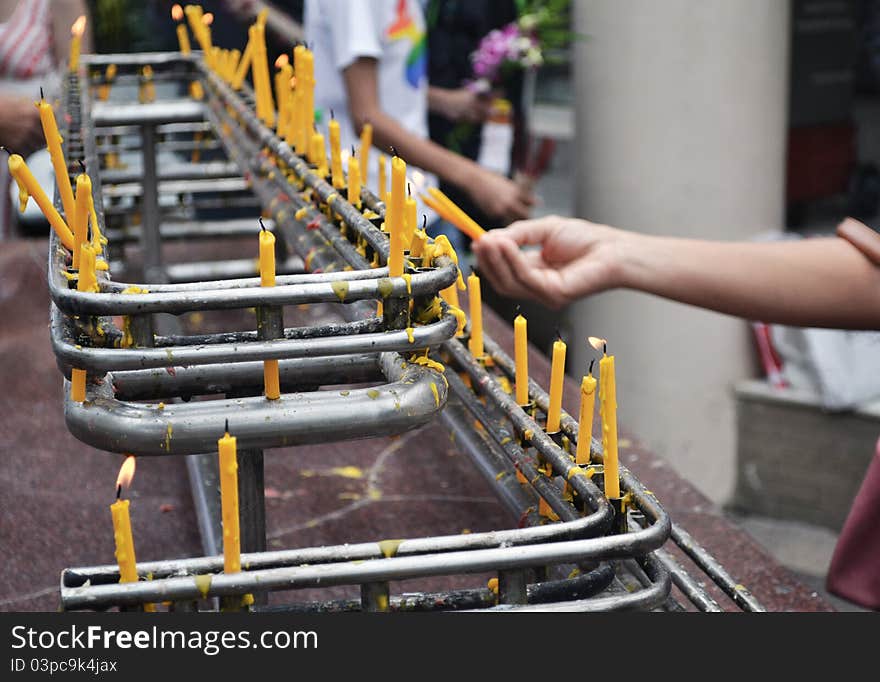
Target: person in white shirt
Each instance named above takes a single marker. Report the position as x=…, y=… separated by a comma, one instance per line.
x=371, y=66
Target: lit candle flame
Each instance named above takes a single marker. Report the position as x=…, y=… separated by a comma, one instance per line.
x=293, y=82
x=177, y=12
x=208, y=18
x=596, y=342
x=79, y=26
x=126, y=473
x=283, y=60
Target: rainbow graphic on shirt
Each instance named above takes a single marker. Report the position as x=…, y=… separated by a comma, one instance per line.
x=404, y=28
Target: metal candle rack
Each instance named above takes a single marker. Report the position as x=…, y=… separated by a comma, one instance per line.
x=328, y=251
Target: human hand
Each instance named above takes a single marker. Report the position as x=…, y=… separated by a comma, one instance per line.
x=576, y=258
x=20, y=128
x=501, y=197
x=461, y=104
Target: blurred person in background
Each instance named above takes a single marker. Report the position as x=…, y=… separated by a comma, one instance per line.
x=371, y=66
x=34, y=51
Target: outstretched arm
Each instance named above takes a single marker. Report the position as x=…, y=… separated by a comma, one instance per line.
x=821, y=282
x=496, y=195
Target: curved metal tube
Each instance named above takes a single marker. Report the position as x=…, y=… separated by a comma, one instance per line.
x=101, y=360
x=187, y=588
x=651, y=597
x=223, y=298
x=416, y=393
x=155, y=384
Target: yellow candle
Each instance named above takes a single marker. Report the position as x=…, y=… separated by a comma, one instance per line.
x=271, y=379
x=450, y=295
x=87, y=280
x=417, y=247
x=232, y=65
x=78, y=385
x=207, y=43
x=457, y=216
x=261, y=77
x=109, y=77
x=521, y=358
x=319, y=154
x=28, y=185
x=557, y=382
x=335, y=154
x=395, y=219
x=244, y=63
x=380, y=188
x=294, y=106
x=229, y=502
x=475, y=343
x=585, y=419
x=282, y=91
x=366, y=143
x=182, y=33
x=309, y=115
x=53, y=142
x=81, y=221
x=298, y=114
x=76, y=33
x=608, y=411
x=194, y=16
x=354, y=180
x=410, y=218
x=122, y=535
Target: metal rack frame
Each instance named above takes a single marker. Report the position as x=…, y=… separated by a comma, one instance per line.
x=616, y=546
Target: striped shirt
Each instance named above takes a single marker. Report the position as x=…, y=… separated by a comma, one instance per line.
x=26, y=41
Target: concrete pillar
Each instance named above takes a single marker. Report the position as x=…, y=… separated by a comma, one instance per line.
x=680, y=130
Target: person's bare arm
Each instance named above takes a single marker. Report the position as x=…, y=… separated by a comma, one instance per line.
x=20, y=128
x=496, y=195
x=63, y=14
x=821, y=282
